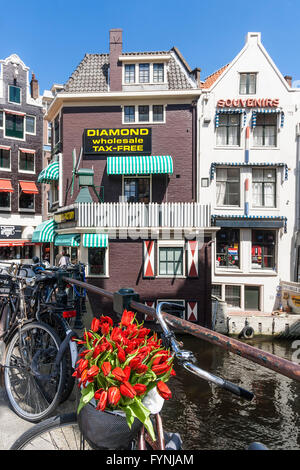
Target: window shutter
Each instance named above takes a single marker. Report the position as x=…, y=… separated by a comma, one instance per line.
x=192, y=311
x=192, y=258
x=149, y=269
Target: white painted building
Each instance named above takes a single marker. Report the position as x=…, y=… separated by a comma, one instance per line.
x=247, y=159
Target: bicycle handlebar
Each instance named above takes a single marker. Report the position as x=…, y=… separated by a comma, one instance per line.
x=187, y=359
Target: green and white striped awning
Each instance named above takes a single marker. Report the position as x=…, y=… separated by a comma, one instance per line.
x=67, y=239
x=140, y=165
x=49, y=174
x=95, y=240
x=45, y=232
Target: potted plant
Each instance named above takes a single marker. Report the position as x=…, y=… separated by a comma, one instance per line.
x=122, y=374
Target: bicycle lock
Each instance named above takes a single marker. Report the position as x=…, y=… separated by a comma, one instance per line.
x=127, y=298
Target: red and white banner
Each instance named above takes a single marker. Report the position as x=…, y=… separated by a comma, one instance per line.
x=192, y=311
x=192, y=258
x=149, y=258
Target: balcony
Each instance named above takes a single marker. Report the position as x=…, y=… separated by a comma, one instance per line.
x=140, y=215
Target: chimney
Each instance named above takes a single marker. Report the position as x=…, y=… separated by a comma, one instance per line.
x=34, y=87
x=196, y=74
x=288, y=78
x=115, y=67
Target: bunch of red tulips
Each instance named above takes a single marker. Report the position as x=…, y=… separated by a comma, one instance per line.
x=120, y=365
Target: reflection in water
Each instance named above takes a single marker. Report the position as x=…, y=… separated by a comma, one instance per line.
x=208, y=417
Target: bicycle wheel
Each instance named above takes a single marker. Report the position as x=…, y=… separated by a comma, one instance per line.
x=56, y=322
x=56, y=433
x=32, y=381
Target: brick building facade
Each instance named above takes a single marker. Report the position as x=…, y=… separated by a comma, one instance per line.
x=145, y=228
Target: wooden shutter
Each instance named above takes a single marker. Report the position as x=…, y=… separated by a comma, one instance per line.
x=192, y=311
x=192, y=258
x=149, y=247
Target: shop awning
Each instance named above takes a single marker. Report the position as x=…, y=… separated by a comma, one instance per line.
x=5, y=186
x=67, y=239
x=49, y=174
x=266, y=111
x=250, y=221
x=95, y=240
x=29, y=187
x=14, y=242
x=230, y=111
x=44, y=233
x=140, y=165
x=248, y=164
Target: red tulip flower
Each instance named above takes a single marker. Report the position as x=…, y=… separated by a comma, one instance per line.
x=164, y=390
x=140, y=389
x=127, y=371
x=118, y=373
x=116, y=334
x=106, y=319
x=95, y=325
x=121, y=355
x=106, y=368
x=160, y=369
x=127, y=390
x=127, y=318
x=114, y=396
x=92, y=372
x=105, y=328
x=102, y=401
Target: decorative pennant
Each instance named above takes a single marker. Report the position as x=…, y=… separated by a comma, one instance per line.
x=192, y=258
x=192, y=311
x=149, y=258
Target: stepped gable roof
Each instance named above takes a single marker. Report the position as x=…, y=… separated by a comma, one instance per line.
x=91, y=75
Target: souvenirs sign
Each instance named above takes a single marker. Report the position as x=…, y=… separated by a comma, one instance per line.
x=249, y=103
x=122, y=141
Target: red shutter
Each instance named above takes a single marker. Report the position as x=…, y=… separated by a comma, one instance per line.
x=192, y=258
x=192, y=311
x=149, y=258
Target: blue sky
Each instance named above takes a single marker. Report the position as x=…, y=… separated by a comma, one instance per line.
x=52, y=37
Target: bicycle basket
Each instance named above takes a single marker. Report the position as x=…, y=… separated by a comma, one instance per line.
x=107, y=429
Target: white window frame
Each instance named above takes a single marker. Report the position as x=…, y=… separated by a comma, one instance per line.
x=4, y=127
x=14, y=102
x=26, y=171
x=172, y=244
x=34, y=117
x=136, y=114
x=151, y=63
x=247, y=73
x=6, y=169
x=85, y=258
x=19, y=194
x=225, y=206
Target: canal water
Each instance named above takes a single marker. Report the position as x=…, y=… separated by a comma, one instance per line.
x=207, y=417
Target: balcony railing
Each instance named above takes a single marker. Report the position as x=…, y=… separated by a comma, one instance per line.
x=140, y=215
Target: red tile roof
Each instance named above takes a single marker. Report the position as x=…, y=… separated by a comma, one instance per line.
x=211, y=79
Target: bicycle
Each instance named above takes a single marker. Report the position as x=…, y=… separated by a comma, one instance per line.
x=39, y=357
x=65, y=432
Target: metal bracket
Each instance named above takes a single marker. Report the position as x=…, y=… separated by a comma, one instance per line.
x=122, y=299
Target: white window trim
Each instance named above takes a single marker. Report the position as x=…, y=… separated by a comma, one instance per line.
x=172, y=244
x=26, y=171
x=135, y=177
x=239, y=84
x=85, y=257
x=267, y=147
x=4, y=127
x=14, y=102
x=34, y=117
x=136, y=114
x=137, y=74
x=277, y=186
x=19, y=194
x=225, y=206
x=229, y=146
x=6, y=169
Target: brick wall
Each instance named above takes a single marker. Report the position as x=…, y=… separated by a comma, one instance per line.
x=172, y=138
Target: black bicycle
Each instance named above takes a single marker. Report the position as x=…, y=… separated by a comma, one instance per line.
x=67, y=432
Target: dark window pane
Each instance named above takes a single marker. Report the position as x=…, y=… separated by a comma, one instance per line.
x=252, y=297
x=143, y=113
x=137, y=189
x=30, y=124
x=227, y=252
x=14, y=126
x=1, y=118
x=263, y=249
x=4, y=158
x=26, y=161
x=4, y=200
x=144, y=73
x=171, y=261
x=158, y=113
x=129, y=113
x=129, y=73
x=26, y=201
x=96, y=260
x=158, y=72
x=15, y=94
x=233, y=296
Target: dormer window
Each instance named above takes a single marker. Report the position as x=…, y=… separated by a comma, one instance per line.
x=247, y=83
x=158, y=73
x=144, y=73
x=14, y=94
x=129, y=73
